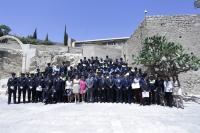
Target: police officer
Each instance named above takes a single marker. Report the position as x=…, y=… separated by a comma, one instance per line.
x=102, y=86
x=48, y=69
x=127, y=88
x=110, y=89
x=95, y=87
x=118, y=88
x=152, y=87
x=63, y=68
x=47, y=91
x=160, y=90
x=58, y=86
x=71, y=72
x=22, y=87
x=12, y=88
x=31, y=88
x=39, y=82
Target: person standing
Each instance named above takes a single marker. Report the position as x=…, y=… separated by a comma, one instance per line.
x=168, y=87
x=177, y=93
x=58, y=86
x=63, y=68
x=68, y=89
x=95, y=87
x=12, y=88
x=145, y=89
x=102, y=91
x=39, y=88
x=31, y=88
x=160, y=90
x=48, y=69
x=136, y=88
x=118, y=89
x=127, y=89
x=89, y=84
x=76, y=88
x=22, y=87
x=82, y=88
x=47, y=90
x=109, y=86
x=151, y=85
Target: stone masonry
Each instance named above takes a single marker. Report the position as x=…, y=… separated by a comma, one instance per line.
x=183, y=29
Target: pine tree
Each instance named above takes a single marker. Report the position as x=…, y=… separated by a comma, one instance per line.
x=47, y=38
x=35, y=34
x=1, y=33
x=65, y=37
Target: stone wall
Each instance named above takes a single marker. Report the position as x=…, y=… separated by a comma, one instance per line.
x=101, y=51
x=183, y=29
x=10, y=61
x=11, y=56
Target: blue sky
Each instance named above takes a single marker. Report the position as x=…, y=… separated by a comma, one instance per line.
x=85, y=19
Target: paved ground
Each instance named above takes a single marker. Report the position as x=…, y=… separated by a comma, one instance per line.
x=97, y=118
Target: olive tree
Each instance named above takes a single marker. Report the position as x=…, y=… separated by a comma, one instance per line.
x=165, y=58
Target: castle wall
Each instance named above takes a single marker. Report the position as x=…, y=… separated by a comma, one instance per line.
x=183, y=29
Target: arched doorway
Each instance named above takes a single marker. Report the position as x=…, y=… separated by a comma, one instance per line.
x=27, y=52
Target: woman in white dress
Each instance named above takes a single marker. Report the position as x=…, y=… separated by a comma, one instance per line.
x=177, y=93
x=68, y=89
x=76, y=88
x=168, y=88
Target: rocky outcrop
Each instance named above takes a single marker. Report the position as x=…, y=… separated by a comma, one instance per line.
x=11, y=61
x=11, y=57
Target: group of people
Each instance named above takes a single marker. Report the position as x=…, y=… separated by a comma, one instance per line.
x=95, y=80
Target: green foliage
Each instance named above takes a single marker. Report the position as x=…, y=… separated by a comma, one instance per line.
x=65, y=37
x=1, y=33
x=47, y=43
x=46, y=38
x=5, y=29
x=166, y=58
x=29, y=40
x=35, y=34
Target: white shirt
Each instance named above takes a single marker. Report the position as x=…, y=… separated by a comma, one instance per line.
x=68, y=85
x=177, y=90
x=168, y=86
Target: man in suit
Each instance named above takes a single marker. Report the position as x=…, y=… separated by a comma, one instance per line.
x=12, y=88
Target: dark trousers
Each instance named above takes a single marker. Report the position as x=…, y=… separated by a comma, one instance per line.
x=153, y=97
x=59, y=96
x=90, y=97
x=159, y=98
x=110, y=94
x=103, y=95
x=168, y=98
x=137, y=96
x=31, y=95
x=45, y=94
x=21, y=92
x=127, y=95
x=145, y=101
x=95, y=95
x=119, y=95
x=38, y=96
x=10, y=93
